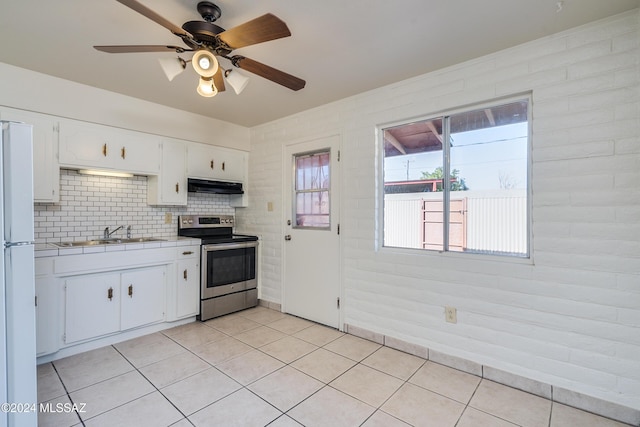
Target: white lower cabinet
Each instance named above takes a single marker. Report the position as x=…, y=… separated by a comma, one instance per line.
x=84, y=299
x=47, y=315
x=92, y=306
x=105, y=303
x=142, y=297
x=188, y=282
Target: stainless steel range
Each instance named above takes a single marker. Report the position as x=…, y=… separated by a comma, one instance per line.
x=228, y=274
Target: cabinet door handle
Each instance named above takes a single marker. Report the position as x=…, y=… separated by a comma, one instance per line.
x=110, y=294
x=222, y=165
x=211, y=164
x=187, y=253
x=104, y=150
x=123, y=152
x=131, y=290
x=177, y=187
x=185, y=274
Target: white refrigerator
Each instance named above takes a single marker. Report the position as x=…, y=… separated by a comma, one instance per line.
x=17, y=310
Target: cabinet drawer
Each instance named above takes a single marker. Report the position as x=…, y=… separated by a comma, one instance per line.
x=188, y=252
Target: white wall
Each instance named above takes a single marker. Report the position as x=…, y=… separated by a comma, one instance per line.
x=28, y=90
x=570, y=316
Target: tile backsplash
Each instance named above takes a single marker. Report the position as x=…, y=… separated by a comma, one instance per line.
x=88, y=204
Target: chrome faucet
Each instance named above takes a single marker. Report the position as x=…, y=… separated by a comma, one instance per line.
x=106, y=233
x=128, y=232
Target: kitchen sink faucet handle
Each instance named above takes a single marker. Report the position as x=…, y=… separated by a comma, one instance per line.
x=128, y=232
x=107, y=234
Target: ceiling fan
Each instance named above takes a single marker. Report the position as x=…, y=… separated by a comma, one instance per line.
x=208, y=40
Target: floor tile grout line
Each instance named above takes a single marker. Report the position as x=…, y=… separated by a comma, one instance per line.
x=211, y=366
x=66, y=391
x=169, y=400
x=324, y=384
x=405, y=381
x=103, y=380
x=288, y=364
x=133, y=400
x=328, y=384
x=246, y=387
x=466, y=406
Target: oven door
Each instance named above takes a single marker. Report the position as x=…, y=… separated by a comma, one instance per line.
x=228, y=268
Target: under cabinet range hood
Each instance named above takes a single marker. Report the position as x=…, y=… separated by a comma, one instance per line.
x=214, y=187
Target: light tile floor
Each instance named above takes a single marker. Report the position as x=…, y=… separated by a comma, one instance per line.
x=260, y=367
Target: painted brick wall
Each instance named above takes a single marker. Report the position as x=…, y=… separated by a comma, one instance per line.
x=570, y=316
x=88, y=204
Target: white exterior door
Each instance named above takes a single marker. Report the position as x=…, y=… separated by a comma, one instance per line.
x=312, y=243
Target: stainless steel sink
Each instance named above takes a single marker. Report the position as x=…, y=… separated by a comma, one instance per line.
x=141, y=240
x=106, y=242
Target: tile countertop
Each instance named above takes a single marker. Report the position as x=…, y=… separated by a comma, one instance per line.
x=46, y=249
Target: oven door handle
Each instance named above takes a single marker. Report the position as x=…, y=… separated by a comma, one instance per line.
x=225, y=246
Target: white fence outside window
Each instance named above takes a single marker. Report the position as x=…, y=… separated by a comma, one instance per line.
x=496, y=221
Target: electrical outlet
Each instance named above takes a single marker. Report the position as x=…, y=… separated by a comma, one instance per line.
x=168, y=217
x=450, y=314
x=269, y=206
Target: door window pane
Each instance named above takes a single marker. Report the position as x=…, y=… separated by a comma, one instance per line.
x=312, y=185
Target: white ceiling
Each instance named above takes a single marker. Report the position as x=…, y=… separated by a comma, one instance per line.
x=339, y=47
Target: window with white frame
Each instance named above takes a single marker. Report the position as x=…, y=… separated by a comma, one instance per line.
x=459, y=181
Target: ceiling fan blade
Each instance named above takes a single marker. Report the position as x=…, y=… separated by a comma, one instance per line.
x=269, y=73
x=218, y=80
x=140, y=48
x=262, y=29
x=144, y=10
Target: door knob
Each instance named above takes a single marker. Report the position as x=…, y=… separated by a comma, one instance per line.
x=287, y=237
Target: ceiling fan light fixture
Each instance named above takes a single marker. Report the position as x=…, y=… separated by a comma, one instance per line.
x=172, y=66
x=237, y=81
x=205, y=63
x=207, y=88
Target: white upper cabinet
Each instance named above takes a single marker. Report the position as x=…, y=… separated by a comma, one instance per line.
x=170, y=186
x=210, y=162
x=87, y=145
x=46, y=171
